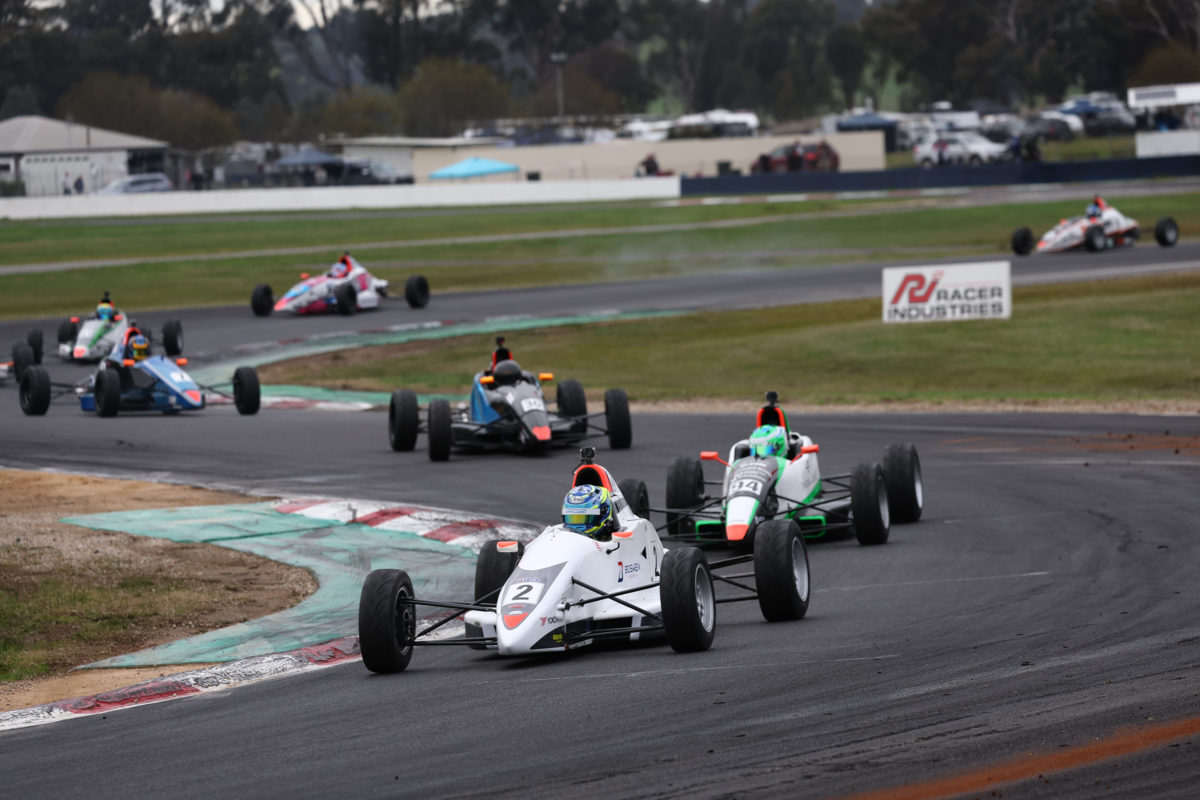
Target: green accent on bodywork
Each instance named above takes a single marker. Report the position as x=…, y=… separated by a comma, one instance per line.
x=101, y=332
x=816, y=531
x=338, y=555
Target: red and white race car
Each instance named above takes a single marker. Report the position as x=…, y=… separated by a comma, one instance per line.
x=1099, y=228
x=346, y=287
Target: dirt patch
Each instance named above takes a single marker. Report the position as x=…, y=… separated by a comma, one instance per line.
x=37, y=544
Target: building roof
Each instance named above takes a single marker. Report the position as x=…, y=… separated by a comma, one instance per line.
x=416, y=141
x=31, y=134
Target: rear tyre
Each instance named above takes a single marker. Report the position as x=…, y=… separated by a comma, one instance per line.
x=685, y=489
x=637, y=495
x=1166, y=232
x=108, y=393
x=616, y=417
x=67, y=331
x=34, y=340
x=1094, y=239
x=247, y=395
x=869, y=504
x=905, y=489
x=262, y=301
x=173, y=337
x=347, y=299
x=781, y=570
x=35, y=391
x=440, y=430
x=387, y=621
x=416, y=291
x=1022, y=241
x=403, y=420
x=23, y=359
x=689, y=608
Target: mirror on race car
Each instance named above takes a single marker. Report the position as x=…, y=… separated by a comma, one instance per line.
x=545, y=376
x=712, y=455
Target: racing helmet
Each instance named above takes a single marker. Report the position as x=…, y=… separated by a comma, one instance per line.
x=768, y=440
x=104, y=311
x=1094, y=210
x=507, y=373
x=140, y=346
x=588, y=510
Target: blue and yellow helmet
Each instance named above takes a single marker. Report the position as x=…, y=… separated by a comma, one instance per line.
x=768, y=440
x=140, y=346
x=588, y=510
x=104, y=311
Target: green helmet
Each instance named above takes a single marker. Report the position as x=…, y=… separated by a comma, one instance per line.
x=768, y=440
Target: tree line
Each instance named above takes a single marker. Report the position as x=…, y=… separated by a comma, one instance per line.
x=280, y=70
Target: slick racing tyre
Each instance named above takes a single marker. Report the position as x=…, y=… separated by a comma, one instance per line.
x=689, y=608
x=387, y=621
x=22, y=358
x=35, y=391
x=616, y=417
x=781, y=570
x=571, y=401
x=247, y=395
x=347, y=299
x=440, y=430
x=685, y=489
x=404, y=420
x=1022, y=241
x=173, y=337
x=902, y=474
x=1094, y=239
x=67, y=331
x=34, y=339
x=262, y=301
x=869, y=504
x=636, y=495
x=107, y=393
x=1166, y=232
x=416, y=291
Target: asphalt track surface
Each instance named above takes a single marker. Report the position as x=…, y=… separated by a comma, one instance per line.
x=1045, y=601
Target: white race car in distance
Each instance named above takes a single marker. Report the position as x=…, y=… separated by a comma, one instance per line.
x=346, y=287
x=1093, y=232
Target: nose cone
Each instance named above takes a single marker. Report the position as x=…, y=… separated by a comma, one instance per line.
x=542, y=432
x=80, y=352
x=195, y=396
x=736, y=533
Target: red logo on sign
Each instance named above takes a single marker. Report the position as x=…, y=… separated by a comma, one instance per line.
x=914, y=282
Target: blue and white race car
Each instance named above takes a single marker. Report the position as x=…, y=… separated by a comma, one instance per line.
x=130, y=378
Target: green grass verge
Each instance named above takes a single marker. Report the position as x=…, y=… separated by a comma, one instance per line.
x=1115, y=341
x=807, y=234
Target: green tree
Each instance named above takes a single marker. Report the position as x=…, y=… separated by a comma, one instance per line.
x=366, y=112
x=783, y=46
x=446, y=95
x=846, y=52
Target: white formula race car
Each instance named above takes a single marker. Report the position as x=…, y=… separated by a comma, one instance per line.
x=565, y=590
x=1101, y=228
x=346, y=287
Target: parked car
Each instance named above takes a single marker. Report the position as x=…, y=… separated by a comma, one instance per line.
x=962, y=147
x=1108, y=121
x=137, y=184
x=357, y=172
x=818, y=157
x=1048, y=128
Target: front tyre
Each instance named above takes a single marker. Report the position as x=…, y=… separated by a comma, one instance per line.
x=35, y=391
x=403, y=420
x=905, y=489
x=67, y=331
x=1166, y=232
x=689, y=609
x=35, y=341
x=416, y=291
x=616, y=417
x=1022, y=241
x=869, y=504
x=262, y=301
x=781, y=570
x=22, y=358
x=247, y=395
x=107, y=393
x=441, y=430
x=173, y=337
x=387, y=621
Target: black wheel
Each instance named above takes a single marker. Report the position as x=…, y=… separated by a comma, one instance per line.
x=173, y=337
x=347, y=299
x=492, y=570
x=34, y=340
x=247, y=395
x=1166, y=232
x=689, y=608
x=1022, y=241
x=616, y=418
x=387, y=621
x=869, y=504
x=781, y=570
x=902, y=474
x=67, y=331
x=107, y=393
x=974, y=161
x=570, y=399
x=416, y=291
x=262, y=301
x=637, y=495
x=440, y=432
x=22, y=358
x=685, y=489
x=35, y=391
x=403, y=420
x=1094, y=238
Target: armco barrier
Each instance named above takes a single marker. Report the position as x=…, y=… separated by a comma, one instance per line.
x=946, y=177
x=239, y=201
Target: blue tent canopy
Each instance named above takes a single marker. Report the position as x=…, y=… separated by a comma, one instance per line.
x=474, y=167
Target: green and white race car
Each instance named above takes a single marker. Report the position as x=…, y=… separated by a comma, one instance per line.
x=774, y=475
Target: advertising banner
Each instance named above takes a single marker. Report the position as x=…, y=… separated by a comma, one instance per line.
x=948, y=292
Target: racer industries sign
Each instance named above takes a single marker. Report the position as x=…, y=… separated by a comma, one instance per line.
x=948, y=292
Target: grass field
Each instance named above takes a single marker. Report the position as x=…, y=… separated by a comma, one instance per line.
x=716, y=238
x=1122, y=341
